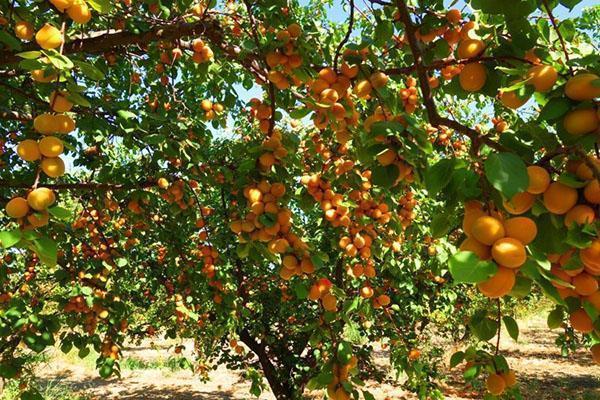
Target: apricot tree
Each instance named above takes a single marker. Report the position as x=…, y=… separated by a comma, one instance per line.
x=287, y=191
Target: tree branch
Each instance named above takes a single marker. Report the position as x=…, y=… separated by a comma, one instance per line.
x=346, y=37
x=83, y=185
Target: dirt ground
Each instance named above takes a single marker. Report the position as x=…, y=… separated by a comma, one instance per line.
x=542, y=373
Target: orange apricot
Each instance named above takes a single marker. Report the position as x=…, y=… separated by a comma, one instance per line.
x=499, y=284
x=559, y=198
x=509, y=252
x=539, y=179
x=488, y=230
x=522, y=228
x=520, y=203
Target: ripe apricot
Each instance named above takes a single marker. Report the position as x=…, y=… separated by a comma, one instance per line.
x=363, y=89
x=50, y=146
x=542, y=77
x=387, y=157
x=559, y=198
x=471, y=215
x=294, y=30
x=24, y=30
x=594, y=299
x=41, y=198
x=63, y=123
x=581, y=321
x=469, y=48
x=591, y=258
x=495, y=384
x=49, y=37
x=509, y=252
x=581, y=122
x=585, y=284
x=512, y=100
x=329, y=302
x=591, y=192
x=28, y=150
x=79, y=12
x=379, y=79
x=17, y=207
x=510, y=378
x=595, y=350
x=62, y=5
x=539, y=179
x=520, y=203
x=453, y=16
x=481, y=250
x=581, y=87
x=580, y=214
x=488, y=230
x=59, y=102
x=498, y=285
x=473, y=76
x=39, y=219
x=53, y=167
x=521, y=228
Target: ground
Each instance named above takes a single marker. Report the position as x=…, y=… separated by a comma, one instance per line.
x=543, y=375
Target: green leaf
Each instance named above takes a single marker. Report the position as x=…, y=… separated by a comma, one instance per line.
x=368, y=395
x=385, y=176
x=554, y=109
x=78, y=99
x=89, y=70
x=30, y=55
x=12, y=42
x=59, y=212
x=383, y=32
x=440, y=225
x=125, y=114
x=344, y=353
x=457, y=358
x=555, y=318
x=512, y=327
x=466, y=267
x=46, y=250
x=484, y=329
x=268, y=219
x=154, y=138
x=10, y=238
x=436, y=177
x=507, y=173
x=102, y=6
x=570, y=4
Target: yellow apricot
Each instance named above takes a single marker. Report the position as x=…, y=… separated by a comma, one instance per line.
x=470, y=48
x=542, y=77
x=58, y=101
x=62, y=5
x=49, y=37
x=363, y=88
x=45, y=124
x=79, y=12
x=24, y=30
x=473, y=76
x=580, y=122
x=520, y=203
x=495, y=384
x=509, y=252
x=595, y=350
x=41, y=198
x=581, y=87
x=51, y=146
x=559, y=198
x=487, y=230
x=39, y=75
x=521, y=228
x=53, y=167
x=510, y=378
x=379, y=79
x=17, y=207
x=64, y=123
x=28, y=150
x=539, y=179
x=585, y=284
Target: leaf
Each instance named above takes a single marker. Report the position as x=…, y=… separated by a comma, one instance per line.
x=344, y=353
x=436, y=177
x=457, y=358
x=89, y=70
x=440, y=225
x=512, y=327
x=466, y=267
x=12, y=42
x=383, y=32
x=368, y=395
x=268, y=219
x=570, y=4
x=30, y=55
x=385, y=176
x=125, y=114
x=484, y=329
x=154, y=138
x=554, y=109
x=78, y=99
x=46, y=250
x=10, y=238
x=507, y=173
x=59, y=212
x=555, y=318
x=102, y=6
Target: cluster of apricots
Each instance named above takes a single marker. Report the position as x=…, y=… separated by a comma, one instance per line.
x=174, y=193
x=109, y=349
x=48, y=149
x=236, y=347
x=271, y=223
x=497, y=383
x=262, y=112
x=275, y=151
x=331, y=203
x=202, y=52
x=410, y=95
x=284, y=60
x=341, y=374
x=321, y=291
x=92, y=314
x=211, y=110
x=490, y=236
x=32, y=212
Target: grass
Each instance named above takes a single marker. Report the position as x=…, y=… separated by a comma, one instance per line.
x=51, y=390
x=172, y=364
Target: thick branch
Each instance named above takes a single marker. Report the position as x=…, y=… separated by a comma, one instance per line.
x=14, y=115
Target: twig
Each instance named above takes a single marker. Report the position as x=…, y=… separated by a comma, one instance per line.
x=560, y=37
x=346, y=37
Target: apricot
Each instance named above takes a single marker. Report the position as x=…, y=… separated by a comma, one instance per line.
x=495, y=384
x=559, y=198
x=79, y=12
x=581, y=87
x=521, y=228
x=542, y=77
x=512, y=100
x=51, y=146
x=488, y=230
x=591, y=258
x=39, y=75
x=366, y=292
x=469, y=48
x=453, y=16
x=62, y=5
x=510, y=378
x=580, y=214
x=59, y=102
x=585, y=284
x=583, y=171
x=17, y=207
x=329, y=302
x=24, y=30
x=28, y=150
x=473, y=76
x=41, y=198
x=520, y=203
x=49, y=37
x=387, y=157
x=539, y=179
x=471, y=215
x=481, y=250
x=39, y=219
x=591, y=192
x=594, y=299
x=498, y=285
x=509, y=252
x=363, y=89
x=581, y=122
x=63, y=123
x=581, y=321
x=53, y=167
x=379, y=79
x=294, y=30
